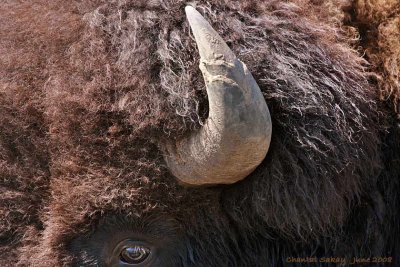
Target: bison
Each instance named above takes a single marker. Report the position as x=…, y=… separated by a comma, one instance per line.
x=117, y=149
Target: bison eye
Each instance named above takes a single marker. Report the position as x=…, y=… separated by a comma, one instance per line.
x=130, y=252
x=134, y=254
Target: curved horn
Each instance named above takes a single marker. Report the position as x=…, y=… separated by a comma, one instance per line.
x=236, y=136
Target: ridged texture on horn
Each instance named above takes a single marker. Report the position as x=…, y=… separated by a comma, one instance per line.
x=235, y=138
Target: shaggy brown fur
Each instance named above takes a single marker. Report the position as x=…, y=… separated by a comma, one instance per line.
x=90, y=90
x=378, y=22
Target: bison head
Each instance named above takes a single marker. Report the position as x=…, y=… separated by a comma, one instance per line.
x=116, y=149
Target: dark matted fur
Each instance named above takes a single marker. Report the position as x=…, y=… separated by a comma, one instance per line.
x=91, y=89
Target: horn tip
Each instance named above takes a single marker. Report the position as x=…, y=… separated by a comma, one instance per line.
x=211, y=45
x=194, y=16
x=189, y=9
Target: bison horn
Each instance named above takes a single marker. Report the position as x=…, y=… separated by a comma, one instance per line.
x=235, y=138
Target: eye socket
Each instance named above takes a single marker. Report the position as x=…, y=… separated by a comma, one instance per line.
x=130, y=252
x=134, y=254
